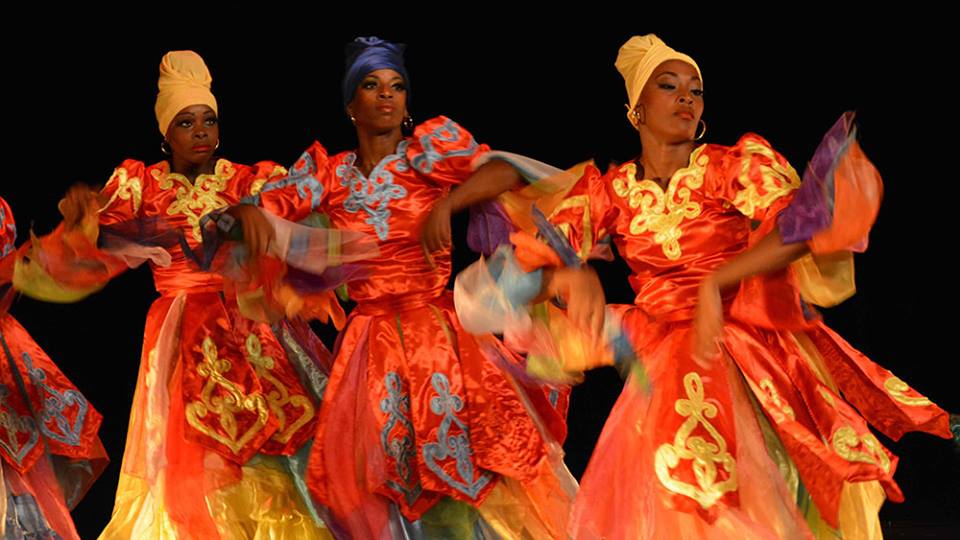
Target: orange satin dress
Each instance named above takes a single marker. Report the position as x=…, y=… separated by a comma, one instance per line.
x=771, y=439
x=222, y=404
x=49, y=449
x=415, y=410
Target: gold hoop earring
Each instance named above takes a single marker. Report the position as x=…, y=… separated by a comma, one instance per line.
x=702, y=133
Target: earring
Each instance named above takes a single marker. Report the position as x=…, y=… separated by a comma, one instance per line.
x=165, y=147
x=702, y=133
x=407, y=123
x=633, y=115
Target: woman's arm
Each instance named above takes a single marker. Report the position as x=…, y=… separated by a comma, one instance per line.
x=486, y=183
x=767, y=255
x=581, y=291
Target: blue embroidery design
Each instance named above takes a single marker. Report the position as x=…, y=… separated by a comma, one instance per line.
x=310, y=374
x=452, y=446
x=54, y=403
x=448, y=132
x=397, y=407
x=14, y=424
x=303, y=175
x=373, y=195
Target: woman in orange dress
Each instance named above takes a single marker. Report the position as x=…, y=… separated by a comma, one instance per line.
x=49, y=449
x=422, y=432
x=749, y=417
x=225, y=407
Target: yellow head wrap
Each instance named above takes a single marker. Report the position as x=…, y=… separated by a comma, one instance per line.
x=639, y=57
x=184, y=81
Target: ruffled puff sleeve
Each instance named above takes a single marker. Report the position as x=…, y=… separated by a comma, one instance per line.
x=443, y=151
x=108, y=237
x=295, y=193
x=832, y=211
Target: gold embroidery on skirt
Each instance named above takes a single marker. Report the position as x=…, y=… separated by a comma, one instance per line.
x=897, y=389
x=705, y=455
x=844, y=441
x=767, y=386
x=280, y=396
x=224, y=408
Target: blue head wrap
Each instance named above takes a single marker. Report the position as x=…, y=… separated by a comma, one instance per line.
x=366, y=54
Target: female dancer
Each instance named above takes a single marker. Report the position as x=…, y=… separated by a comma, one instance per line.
x=755, y=424
x=49, y=449
x=422, y=432
x=224, y=407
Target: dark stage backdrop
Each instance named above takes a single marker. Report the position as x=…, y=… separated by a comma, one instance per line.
x=79, y=99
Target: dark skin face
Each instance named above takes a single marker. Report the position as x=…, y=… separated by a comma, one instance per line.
x=671, y=104
x=193, y=136
x=380, y=103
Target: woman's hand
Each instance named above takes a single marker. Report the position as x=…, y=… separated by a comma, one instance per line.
x=707, y=323
x=257, y=231
x=580, y=289
x=767, y=255
x=435, y=231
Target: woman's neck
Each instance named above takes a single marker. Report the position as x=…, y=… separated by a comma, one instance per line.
x=373, y=147
x=661, y=160
x=192, y=170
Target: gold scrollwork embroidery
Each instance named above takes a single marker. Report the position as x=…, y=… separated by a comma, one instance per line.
x=257, y=184
x=844, y=441
x=767, y=386
x=198, y=198
x=225, y=407
x=897, y=389
x=776, y=180
x=128, y=189
x=280, y=396
x=659, y=212
x=705, y=455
